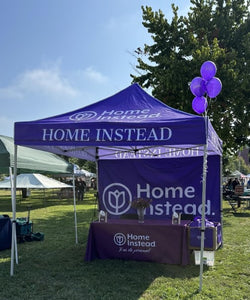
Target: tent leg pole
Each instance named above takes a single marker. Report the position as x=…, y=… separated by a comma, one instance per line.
x=203, y=213
x=75, y=216
x=15, y=175
x=221, y=201
x=15, y=237
x=13, y=200
x=12, y=251
x=12, y=225
x=204, y=181
x=97, y=174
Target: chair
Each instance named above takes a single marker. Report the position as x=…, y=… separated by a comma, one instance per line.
x=233, y=202
x=238, y=191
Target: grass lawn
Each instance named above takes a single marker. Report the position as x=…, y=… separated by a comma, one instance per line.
x=55, y=268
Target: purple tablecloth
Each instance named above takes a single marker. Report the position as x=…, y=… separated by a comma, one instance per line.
x=154, y=240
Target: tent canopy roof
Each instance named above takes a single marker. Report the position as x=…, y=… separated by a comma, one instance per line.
x=30, y=160
x=34, y=181
x=128, y=120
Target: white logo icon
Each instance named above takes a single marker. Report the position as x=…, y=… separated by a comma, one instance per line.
x=119, y=239
x=84, y=115
x=116, y=198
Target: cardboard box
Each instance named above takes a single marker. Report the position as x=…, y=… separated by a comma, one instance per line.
x=212, y=238
x=208, y=258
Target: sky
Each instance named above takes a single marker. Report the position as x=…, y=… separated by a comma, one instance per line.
x=60, y=55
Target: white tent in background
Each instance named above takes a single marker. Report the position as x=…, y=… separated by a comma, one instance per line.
x=82, y=172
x=34, y=181
x=88, y=174
x=237, y=174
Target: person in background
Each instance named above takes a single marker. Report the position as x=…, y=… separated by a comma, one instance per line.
x=24, y=193
x=248, y=183
x=242, y=181
x=235, y=182
x=93, y=183
x=81, y=188
x=229, y=185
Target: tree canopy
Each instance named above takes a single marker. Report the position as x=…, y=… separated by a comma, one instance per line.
x=215, y=30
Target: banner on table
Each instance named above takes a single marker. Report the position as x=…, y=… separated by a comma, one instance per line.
x=174, y=185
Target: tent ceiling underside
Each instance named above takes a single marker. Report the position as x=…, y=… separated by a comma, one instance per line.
x=94, y=153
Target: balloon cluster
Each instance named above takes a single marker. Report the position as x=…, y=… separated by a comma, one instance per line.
x=207, y=84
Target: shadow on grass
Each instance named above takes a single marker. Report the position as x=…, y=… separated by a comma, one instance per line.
x=242, y=214
x=227, y=212
x=59, y=259
x=138, y=276
x=38, y=200
x=57, y=263
x=99, y=279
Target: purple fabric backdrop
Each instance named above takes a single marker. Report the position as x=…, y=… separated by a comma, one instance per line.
x=172, y=184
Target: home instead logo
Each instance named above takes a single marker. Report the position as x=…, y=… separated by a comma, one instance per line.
x=84, y=115
x=140, y=243
x=119, y=239
x=131, y=114
x=116, y=199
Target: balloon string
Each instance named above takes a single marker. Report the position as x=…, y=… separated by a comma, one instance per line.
x=206, y=110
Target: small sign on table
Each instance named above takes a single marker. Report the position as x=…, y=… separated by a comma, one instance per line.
x=102, y=216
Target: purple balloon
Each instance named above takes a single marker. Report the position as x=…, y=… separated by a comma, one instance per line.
x=198, y=87
x=208, y=70
x=213, y=87
x=199, y=104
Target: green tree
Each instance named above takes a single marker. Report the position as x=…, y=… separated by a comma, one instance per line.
x=216, y=30
x=236, y=163
x=84, y=164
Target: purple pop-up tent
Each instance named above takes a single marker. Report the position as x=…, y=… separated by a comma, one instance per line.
x=131, y=122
